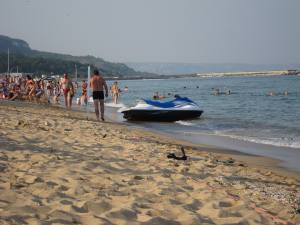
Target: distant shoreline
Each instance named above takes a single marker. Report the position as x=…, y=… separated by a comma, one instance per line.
x=212, y=74
x=197, y=75
x=251, y=73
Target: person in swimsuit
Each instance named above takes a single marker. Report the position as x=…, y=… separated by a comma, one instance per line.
x=15, y=92
x=68, y=90
x=83, y=98
x=31, y=89
x=29, y=84
x=97, y=84
x=39, y=89
x=115, y=92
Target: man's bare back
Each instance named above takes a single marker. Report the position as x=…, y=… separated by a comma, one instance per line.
x=97, y=83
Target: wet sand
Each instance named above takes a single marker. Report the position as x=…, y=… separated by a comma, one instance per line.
x=64, y=167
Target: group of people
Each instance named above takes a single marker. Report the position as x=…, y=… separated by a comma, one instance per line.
x=42, y=90
x=157, y=96
x=50, y=90
x=272, y=93
x=216, y=91
x=26, y=88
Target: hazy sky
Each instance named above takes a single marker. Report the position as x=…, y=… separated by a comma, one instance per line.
x=211, y=31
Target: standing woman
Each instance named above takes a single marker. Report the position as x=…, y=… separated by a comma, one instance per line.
x=30, y=88
x=83, y=98
x=115, y=91
x=68, y=90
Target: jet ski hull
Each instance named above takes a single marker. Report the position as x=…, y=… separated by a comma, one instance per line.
x=160, y=115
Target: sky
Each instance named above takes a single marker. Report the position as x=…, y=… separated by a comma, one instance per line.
x=189, y=31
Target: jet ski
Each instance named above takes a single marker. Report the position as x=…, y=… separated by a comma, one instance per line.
x=181, y=108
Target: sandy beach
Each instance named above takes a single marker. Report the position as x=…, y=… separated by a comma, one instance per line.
x=62, y=167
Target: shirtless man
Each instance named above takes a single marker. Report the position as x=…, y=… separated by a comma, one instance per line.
x=97, y=84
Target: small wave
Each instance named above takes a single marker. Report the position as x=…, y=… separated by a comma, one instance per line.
x=275, y=142
x=90, y=100
x=121, y=109
x=111, y=104
x=185, y=123
x=152, y=79
x=280, y=142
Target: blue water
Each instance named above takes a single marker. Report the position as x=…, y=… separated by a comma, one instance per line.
x=247, y=114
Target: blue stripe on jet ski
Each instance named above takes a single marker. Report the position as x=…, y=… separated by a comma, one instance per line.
x=176, y=102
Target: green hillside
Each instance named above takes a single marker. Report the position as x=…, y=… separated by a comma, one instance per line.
x=33, y=61
x=40, y=65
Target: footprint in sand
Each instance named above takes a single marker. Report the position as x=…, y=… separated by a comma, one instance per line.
x=175, y=202
x=80, y=209
x=194, y=206
x=66, y=202
x=68, y=218
x=37, y=200
x=224, y=204
x=63, y=188
x=229, y=213
x=97, y=207
x=15, y=219
x=206, y=220
x=3, y=167
x=51, y=184
x=160, y=221
x=124, y=214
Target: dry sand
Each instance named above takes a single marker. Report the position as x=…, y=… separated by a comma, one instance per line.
x=58, y=167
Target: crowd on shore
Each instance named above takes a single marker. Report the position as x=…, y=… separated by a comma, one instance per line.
x=27, y=88
x=48, y=90
x=51, y=90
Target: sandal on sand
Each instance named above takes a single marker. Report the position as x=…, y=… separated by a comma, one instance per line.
x=173, y=156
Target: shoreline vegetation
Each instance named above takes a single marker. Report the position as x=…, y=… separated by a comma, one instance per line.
x=60, y=166
x=27, y=60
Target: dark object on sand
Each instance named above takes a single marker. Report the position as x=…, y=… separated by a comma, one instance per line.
x=180, y=108
x=173, y=156
x=226, y=162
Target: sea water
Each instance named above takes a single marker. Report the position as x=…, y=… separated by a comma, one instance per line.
x=248, y=114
